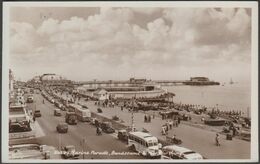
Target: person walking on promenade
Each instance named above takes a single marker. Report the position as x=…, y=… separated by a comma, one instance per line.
x=167, y=127
x=153, y=115
x=163, y=130
x=171, y=124
x=217, y=140
x=122, y=108
x=33, y=118
x=145, y=118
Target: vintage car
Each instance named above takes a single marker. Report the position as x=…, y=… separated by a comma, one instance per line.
x=69, y=151
x=99, y=110
x=37, y=113
x=177, y=152
x=30, y=151
x=122, y=135
x=15, y=127
x=107, y=127
x=62, y=127
x=30, y=99
x=57, y=112
x=71, y=118
x=84, y=106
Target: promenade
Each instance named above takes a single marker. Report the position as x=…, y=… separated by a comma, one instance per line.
x=197, y=139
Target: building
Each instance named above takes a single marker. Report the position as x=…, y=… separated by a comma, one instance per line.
x=137, y=81
x=101, y=94
x=11, y=81
x=125, y=92
x=198, y=79
x=49, y=79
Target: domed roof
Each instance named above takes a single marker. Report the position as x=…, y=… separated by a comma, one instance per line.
x=51, y=77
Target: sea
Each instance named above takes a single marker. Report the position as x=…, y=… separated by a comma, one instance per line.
x=225, y=97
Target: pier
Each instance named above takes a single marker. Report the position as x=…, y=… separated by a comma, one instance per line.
x=127, y=83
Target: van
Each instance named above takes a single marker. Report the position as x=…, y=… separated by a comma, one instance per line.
x=37, y=113
x=57, y=112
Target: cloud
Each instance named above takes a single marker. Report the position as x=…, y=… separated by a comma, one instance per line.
x=22, y=37
x=49, y=27
x=146, y=11
x=176, y=38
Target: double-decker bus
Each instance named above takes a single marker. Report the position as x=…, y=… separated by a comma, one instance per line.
x=82, y=113
x=145, y=144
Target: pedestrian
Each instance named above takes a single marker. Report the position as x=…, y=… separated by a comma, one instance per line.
x=145, y=118
x=149, y=118
x=33, y=118
x=122, y=108
x=234, y=131
x=153, y=115
x=170, y=123
x=217, y=140
x=176, y=123
x=179, y=120
x=163, y=131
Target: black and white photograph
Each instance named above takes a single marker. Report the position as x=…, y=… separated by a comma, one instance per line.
x=130, y=82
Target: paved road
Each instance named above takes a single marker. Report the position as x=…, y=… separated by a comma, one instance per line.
x=76, y=134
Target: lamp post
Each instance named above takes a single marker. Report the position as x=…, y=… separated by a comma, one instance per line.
x=132, y=116
x=83, y=144
x=60, y=141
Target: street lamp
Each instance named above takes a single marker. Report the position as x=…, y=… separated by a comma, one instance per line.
x=60, y=141
x=132, y=123
x=83, y=144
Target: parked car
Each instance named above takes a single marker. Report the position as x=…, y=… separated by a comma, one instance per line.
x=17, y=127
x=37, y=113
x=29, y=151
x=107, y=127
x=84, y=106
x=62, y=127
x=52, y=101
x=69, y=151
x=99, y=110
x=30, y=99
x=57, y=112
x=122, y=135
x=177, y=152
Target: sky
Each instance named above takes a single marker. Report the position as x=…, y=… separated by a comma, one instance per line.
x=86, y=43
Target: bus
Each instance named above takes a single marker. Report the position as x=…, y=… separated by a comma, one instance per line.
x=145, y=144
x=83, y=114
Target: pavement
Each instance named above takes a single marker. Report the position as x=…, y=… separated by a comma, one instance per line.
x=197, y=139
x=95, y=145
